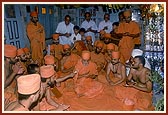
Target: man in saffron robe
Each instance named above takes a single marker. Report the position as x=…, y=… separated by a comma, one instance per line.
x=97, y=56
x=69, y=59
x=128, y=30
x=109, y=49
x=85, y=84
x=58, y=48
x=89, y=45
x=28, y=54
x=68, y=63
x=36, y=35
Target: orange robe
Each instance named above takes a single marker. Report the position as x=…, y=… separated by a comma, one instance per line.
x=79, y=47
x=58, y=51
x=37, y=40
x=142, y=100
x=126, y=44
x=99, y=59
x=67, y=63
x=96, y=97
x=87, y=86
x=104, y=46
x=71, y=61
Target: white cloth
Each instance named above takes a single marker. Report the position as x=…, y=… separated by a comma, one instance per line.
x=136, y=52
x=63, y=28
x=103, y=24
x=78, y=37
x=85, y=24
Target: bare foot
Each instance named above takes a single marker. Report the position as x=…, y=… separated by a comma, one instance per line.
x=62, y=107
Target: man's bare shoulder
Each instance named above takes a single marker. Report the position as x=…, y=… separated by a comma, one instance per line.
x=147, y=70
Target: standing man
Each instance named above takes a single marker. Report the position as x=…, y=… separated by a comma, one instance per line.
x=36, y=35
x=105, y=25
x=128, y=30
x=90, y=26
x=65, y=29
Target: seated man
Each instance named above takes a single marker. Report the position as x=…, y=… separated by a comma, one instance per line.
x=139, y=76
x=29, y=59
x=47, y=73
x=85, y=85
x=12, y=70
x=109, y=49
x=21, y=55
x=137, y=88
x=57, y=53
x=97, y=56
x=117, y=69
x=89, y=45
x=51, y=60
x=69, y=60
x=28, y=93
x=136, y=52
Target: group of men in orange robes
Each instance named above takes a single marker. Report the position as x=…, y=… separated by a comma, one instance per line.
x=96, y=73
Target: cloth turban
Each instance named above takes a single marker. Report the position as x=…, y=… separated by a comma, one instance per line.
x=66, y=46
x=110, y=46
x=89, y=38
x=116, y=54
x=10, y=50
x=20, y=52
x=49, y=59
x=47, y=71
x=33, y=14
x=28, y=84
x=26, y=50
